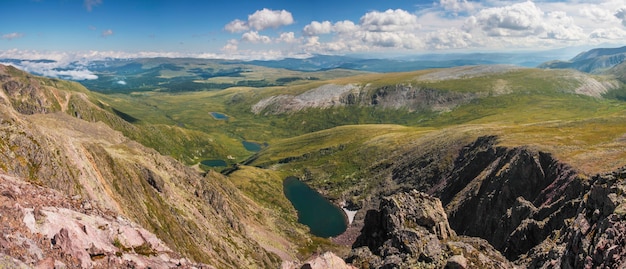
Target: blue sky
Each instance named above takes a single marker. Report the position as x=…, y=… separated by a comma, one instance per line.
x=87, y=29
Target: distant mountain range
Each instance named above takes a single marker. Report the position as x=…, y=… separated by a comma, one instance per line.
x=118, y=68
x=592, y=61
x=401, y=64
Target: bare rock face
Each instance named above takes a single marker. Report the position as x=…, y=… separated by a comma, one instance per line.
x=391, y=97
x=596, y=236
x=323, y=261
x=512, y=197
x=43, y=228
x=411, y=229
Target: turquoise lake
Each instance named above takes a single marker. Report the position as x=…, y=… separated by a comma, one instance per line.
x=219, y=116
x=323, y=218
x=214, y=163
x=252, y=146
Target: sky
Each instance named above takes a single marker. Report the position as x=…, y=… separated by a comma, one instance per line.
x=67, y=30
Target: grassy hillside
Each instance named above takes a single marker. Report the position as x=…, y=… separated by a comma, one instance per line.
x=500, y=95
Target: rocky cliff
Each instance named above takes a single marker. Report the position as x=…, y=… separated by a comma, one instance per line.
x=595, y=237
x=400, y=96
x=410, y=229
x=536, y=211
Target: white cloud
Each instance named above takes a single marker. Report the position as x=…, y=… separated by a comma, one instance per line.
x=90, y=4
x=237, y=26
x=613, y=33
x=289, y=37
x=560, y=26
x=516, y=20
x=231, y=46
x=106, y=33
x=346, y=26
x=621, y=14
x=11, y=36
x=389, y=21
x=391, y=40
x=121, y=82
x=266, y=18
x=597, y=14
x=457, y=6
x=255, y=37
x=51, y=69
x=79, y=74
x=317, y=28
x=449, y=39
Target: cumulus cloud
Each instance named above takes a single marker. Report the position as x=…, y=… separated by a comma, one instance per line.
x=526, y=21
x=289, y=37
x=11, y=36
x=266, y=18
x=457, y=6
x=449, y=39
x=621, y=14
x=237, y=26
x=613, y=33
x=106, y=33
x=90, y=4
x=389, y=21
x=255, y=37
x=231, y=46
x=317, y=28
x=397, y=29
x=391, y=39
x=515, y=20
x=597, y=14
x=560, y=26
x=346, y=26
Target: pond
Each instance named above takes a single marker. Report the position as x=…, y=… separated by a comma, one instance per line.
x=218, y=116
x=252, y=146
x=214, y=163
x=323, y=217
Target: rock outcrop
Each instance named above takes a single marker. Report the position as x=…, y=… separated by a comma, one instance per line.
x=322, y=261
x=400, y=96
x=411, y=229
x=45, y=228
x=538, y=212
x=511, y=197
x=596, y=236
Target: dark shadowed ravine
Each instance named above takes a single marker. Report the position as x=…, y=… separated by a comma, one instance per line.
x=323, y=218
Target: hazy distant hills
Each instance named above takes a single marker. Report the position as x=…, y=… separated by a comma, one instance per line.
x=592, y=61
x=407, y=63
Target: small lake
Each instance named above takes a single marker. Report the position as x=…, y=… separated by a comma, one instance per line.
x=323, y=218
x=218, y=116
x=252, y=146
x=214, y=163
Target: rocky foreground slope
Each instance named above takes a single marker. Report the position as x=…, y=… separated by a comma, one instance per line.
x=50, y=138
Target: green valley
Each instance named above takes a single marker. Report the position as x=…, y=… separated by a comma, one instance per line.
x=206, y=151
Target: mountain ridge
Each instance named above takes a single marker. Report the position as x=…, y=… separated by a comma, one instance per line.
x=524, y=150
x=78, y=157
x=595, y=61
